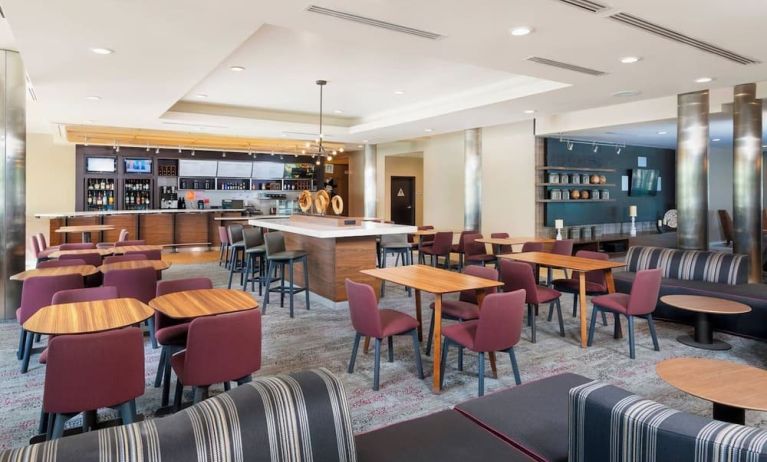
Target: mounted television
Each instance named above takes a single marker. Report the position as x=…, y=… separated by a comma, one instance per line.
x=100, y=165
x=644, y=182
x=138, y=165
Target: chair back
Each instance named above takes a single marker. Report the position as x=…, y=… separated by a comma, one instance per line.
x=425, y=239
x=363, y=308
x=517, y=275
x=181, y=285
x=41, y=241
x=471, y=247
x=500, y=321
x=123, y=235
x=470, y=296
x=274, y=242
x=35, y=246
x=130, y=256
x=462, y=238
x=139, y=283
x=596, y=277
x=91, y=258
x=152, y=254
x=726, y=222
x=253, y=237
x=234, y=233
x=533, y=247
x=223, y=235
x=37, y=292
x=58, y=263
x=644, y=292
x=394, y=239
x=502, y=249
x=223, y=348
x=84, y=295
x=563, y=247
x=443, y=241
x=78, y=246
x=92, y=371
x=127, y=243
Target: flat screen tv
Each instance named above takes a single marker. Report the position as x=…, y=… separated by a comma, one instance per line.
x=644, y=182
x=100, y=165
x=138, y=165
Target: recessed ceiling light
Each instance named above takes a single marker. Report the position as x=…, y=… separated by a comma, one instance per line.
x=428, y=130
x=93, y=97
x=627, y=93
x=102, y=51
x=201, y=95
x=704, y=80
x=338, y=111
x=530, y=111
x=715, y=140
x=236, y=68
x=662, y=132
x=399, y=92
x=521, y=31
x=630, y=59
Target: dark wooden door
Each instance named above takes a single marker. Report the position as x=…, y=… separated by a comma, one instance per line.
x=403, y=200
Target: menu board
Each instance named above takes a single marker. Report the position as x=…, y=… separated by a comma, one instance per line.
x=205, y=168
x=268, y=170
x=233, y=169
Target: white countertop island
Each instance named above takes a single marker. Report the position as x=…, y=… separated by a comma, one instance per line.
x=367, y=228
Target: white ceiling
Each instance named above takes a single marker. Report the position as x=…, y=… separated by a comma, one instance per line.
x=477, y=75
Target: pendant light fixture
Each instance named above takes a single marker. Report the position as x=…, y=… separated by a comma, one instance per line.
x=317, y=149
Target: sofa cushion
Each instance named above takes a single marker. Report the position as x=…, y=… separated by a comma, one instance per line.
x=690, y=265
x=610, y=424
x=532, y=417
x=446, y=436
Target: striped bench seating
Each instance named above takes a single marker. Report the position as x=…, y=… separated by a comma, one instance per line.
x=706, y=273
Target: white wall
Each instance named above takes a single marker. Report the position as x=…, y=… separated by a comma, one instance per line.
x=443, y=181
x=719, y=188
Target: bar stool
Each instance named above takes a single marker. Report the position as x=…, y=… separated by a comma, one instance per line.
x=255, y=253
x=395, y=244
x=236, y=244
x=277, y=255
x=223, y=251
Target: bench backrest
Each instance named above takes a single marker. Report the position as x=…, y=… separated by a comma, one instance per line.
x=690, y=265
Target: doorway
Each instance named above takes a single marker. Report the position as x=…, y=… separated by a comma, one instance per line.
x=403, y=200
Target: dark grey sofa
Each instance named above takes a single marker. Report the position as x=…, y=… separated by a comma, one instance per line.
x=692, y=272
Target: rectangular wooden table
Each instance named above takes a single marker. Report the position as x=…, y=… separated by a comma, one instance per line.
x=438, y=282
x=497, y=242
x=85, y=230
x=578, y=265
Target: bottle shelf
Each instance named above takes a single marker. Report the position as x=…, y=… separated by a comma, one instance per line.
x=576, y=169
x=587, y=185
x=575, y=201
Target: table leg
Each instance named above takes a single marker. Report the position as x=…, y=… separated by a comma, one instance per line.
x=366, y=347
x=584, y=311
x=86, y=237
x=480, y=299
x=729, y=414
x=437, y=343
x=418, y=314
x=703, y=337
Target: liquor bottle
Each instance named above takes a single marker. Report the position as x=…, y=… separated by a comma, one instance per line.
x=90, y=199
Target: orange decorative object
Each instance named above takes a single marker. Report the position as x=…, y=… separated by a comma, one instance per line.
x=190, y=195
x=585, y=194
x=575, y=194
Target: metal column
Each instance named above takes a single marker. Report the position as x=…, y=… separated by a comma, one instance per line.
x=472, y=182
x=369, y=179
x=13, y=138
x=692, y=171
x=747, y=177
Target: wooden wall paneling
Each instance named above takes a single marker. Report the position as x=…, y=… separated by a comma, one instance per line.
x=191, y=228
x=120, y=222
x=213, y=229
x=82, y=221
x=352, y=255
x=156, y=229
x=322, y=264
x=55, y=238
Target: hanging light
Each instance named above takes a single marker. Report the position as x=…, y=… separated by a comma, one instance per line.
x=223, y=154
x=192, y=152
x=317, y=148
x=157, y=151
x=147, y=147
x=596, y=147
x=86, y=141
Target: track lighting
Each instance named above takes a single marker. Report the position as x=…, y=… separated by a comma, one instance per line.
x=179, y=149
x=569, y=146
x=596, y=148
x=86, y=141
x=147, y=148
x=192, y=152
x=157, y=150
x=223, y=154
x=618, y=150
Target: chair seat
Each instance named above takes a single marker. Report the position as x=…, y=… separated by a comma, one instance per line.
x=238, y=244
x=462, y=334
x=173, y=335
x=546, y=295
x=573, y=286
x=457, y=309
x=395, y=322
x=456, y=248
x=288, y=255
x=46, y=253
x=482, y=257
x=429, y=251
x=614, y=302
x=257, y=249
x=397, y=246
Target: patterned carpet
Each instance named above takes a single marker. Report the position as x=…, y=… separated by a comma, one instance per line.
x=323, y=337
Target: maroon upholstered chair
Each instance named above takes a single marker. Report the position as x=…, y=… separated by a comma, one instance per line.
x=475, y=253
x=40, y=251
x=58, y=263
x=44, y=244
x=155, y=254
x=641, y=302
x=127, y=243
x=223, y=251
x=219, y=349
x=35, y=247
x=423, y=242
x=441, y=247
x=463, y=309
x=563, y=247
x=595, y=282
x=498, y=328
x=517, y=275
x=369, y=321
x=171, y=333
x=139, y=283
x=501, y=249
x=94, y=280
x=126, y=257
x=37, y=292
x=533, y=247
x=122, y=237
x=92, y=371
x=459, y=247
x=78, y=246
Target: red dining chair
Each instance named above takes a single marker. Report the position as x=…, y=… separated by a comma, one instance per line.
x=443, y=242
x=35, y=248
x=370, y=321
x=92, y=371
x=139, y=283
x=423, y=242
x=154, y=254
x=533, y=247
x=78, y=246
x=459, y=247
x=58, y=263
x=40, y=247
x=463, y=309
x=223, y=251
x=475, y=253
x=37, y=292
x=595, y=282
x=641, y=302
x=94, y=280
x=126, y=257
x=219, y=349
x=171, y=333
x=122, y=237
x=44, y=244
x=502, y=249
x=128, y=243
x=498, y=328
x=563, y=247
x=517, y=275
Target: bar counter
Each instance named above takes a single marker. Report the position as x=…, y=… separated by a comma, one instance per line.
x=335, y=252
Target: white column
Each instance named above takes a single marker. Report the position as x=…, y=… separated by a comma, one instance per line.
x=472, y=183
x=369, y=180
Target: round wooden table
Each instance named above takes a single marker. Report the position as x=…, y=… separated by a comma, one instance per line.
x=704, y=307
x=158, y=265
x=82, y=270
x=88, y=317
x=731, y=387
x=85, y=230
x=203, y=302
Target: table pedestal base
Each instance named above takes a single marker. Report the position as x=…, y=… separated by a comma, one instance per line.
x=729, y=414
x=704, y=335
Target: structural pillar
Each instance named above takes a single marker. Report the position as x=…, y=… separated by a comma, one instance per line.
x=472, y=183
x=12, y=178
x=369, y=178
x=747, y=177
x=692, y=171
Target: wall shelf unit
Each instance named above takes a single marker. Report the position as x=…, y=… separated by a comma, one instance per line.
x=576, y=169
x=575, y=201
x=576, y=185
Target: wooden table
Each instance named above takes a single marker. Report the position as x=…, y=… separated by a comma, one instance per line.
x=203, y=302
x=87, y=317
x=135, y=248
x=578, y=265
x=704, y=307
x=59, y=253
x=438, y=282
x=425, y=232
x=82, y=270
x=158, y=265
x=731, y=387
x=497, y=242
x=85, y=230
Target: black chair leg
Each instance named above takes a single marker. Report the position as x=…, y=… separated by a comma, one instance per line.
x=617, y=331
x=292, y=282
x=651, y=325
x=531, y=311
x=126, y=413
x=417, y=350
x=460, y=358
x=575, y=305
x=177, y=395
x=22, y=340
x=431, y=335
x=593, y=324
x=377, y=365
x=354, y=352
x=604, y=318
x=305, y=261
x=58, y=425
x=43, y=425
x=445, y=347
x=160, y=367
x=27, y=353
x=227, y=386
x=481, y=373
x=559, y=317
x=391, y=348
x=267, y=285
x=632, y=346
x=200, y=394
x=514, y=366
x=150, y=327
